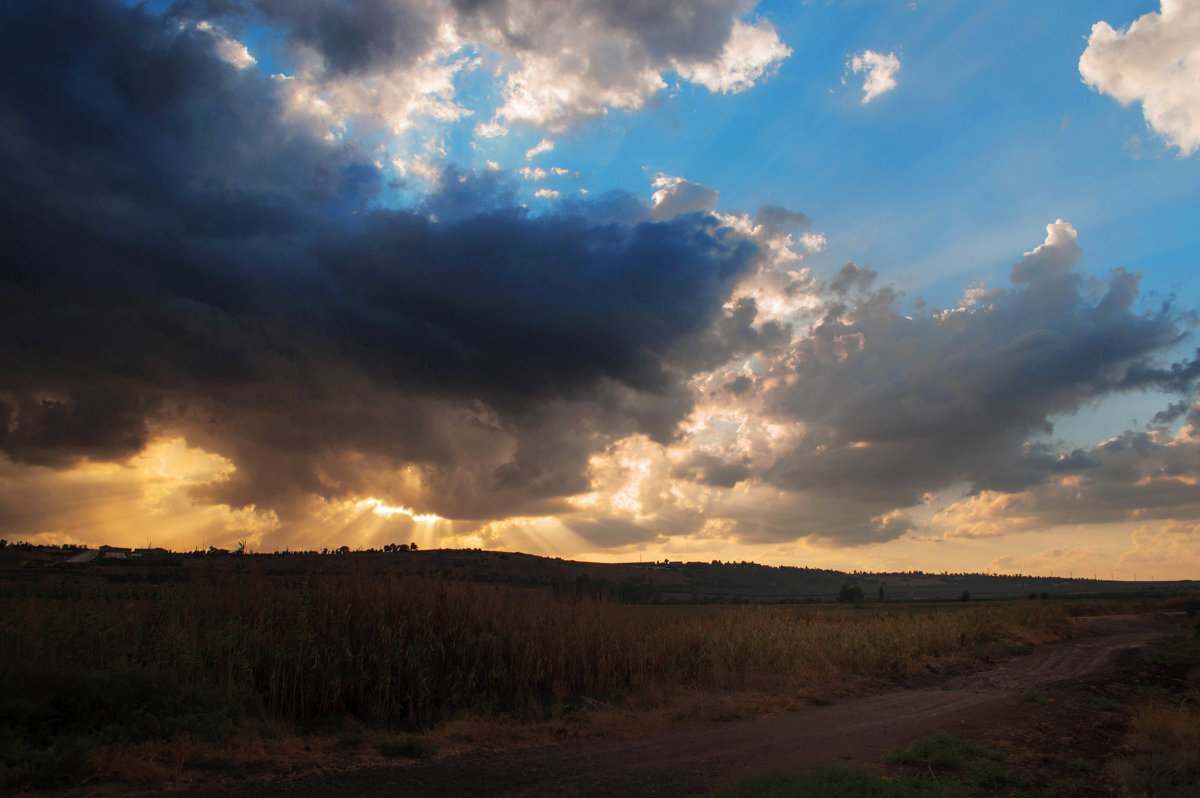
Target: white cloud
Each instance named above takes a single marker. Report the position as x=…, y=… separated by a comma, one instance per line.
x=1156, y=61
x=554, y=92
x=675, y=196
x=751, y=53
x=419, y=167
x=579, y=59
x=395, y=100
x=545, y=145
x=813, y=242
x=532, y=172
x=229, y=50
x=490, y=130
x=546, y=193
x=880, y=72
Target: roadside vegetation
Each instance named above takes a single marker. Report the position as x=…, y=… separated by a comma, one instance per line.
x=1160, y=754
x=1138, y=734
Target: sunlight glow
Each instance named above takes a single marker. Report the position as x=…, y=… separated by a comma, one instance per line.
x=387, y=511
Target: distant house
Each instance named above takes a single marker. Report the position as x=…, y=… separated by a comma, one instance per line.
x=115, y=553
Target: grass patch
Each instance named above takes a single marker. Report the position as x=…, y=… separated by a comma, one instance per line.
x=405, y=747
x=51, y=719
x=1034, y=697
x=979, y=766
x=936, y=750
x=1162, y=753
x=832, y=781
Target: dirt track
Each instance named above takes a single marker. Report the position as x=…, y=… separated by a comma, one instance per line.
x=688, y=761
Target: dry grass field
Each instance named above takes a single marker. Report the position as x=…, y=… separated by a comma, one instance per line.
x=103, y=672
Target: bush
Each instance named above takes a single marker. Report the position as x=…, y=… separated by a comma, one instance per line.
x=850, y=594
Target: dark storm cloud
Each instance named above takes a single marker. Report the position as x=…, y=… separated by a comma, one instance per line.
x=376, y=35
x=351, y=37
x=178, y=256
x=670, y=29
x=610, y=532
x=710, y=470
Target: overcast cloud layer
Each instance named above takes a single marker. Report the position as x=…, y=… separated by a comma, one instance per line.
x=188, y=257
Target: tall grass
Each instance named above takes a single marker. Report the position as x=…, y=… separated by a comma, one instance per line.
x=408, y=652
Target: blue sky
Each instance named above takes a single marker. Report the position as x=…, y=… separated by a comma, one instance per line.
x=859, y=284
x=989, y=134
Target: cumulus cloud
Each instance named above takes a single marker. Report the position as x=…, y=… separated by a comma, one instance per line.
x=395, y=62
x=848, y=422
x=1155, y=61
x=676, y=195
x=751, y=53
x=614, y=370
x=880, y=72
x=1135, y=476
x=545, y=145
x=1175, y=543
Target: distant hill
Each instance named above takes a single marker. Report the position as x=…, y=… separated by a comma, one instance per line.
x=671, y=582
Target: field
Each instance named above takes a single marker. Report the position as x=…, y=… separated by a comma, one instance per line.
x=96, y=666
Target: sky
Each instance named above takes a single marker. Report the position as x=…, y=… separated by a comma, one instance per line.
x=859, y=285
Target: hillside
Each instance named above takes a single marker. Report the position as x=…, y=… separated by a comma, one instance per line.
x=683, y=582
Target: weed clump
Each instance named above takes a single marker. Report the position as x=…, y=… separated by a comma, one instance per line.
x=1162, y=753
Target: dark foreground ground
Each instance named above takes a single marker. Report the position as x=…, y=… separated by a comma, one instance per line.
x=1057, y=714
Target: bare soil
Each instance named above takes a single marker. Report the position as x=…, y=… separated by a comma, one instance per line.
x=1052, y=711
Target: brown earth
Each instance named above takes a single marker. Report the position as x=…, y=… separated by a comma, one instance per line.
x=1035, y=707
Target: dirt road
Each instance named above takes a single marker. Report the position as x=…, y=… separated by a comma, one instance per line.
x=688, y=761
